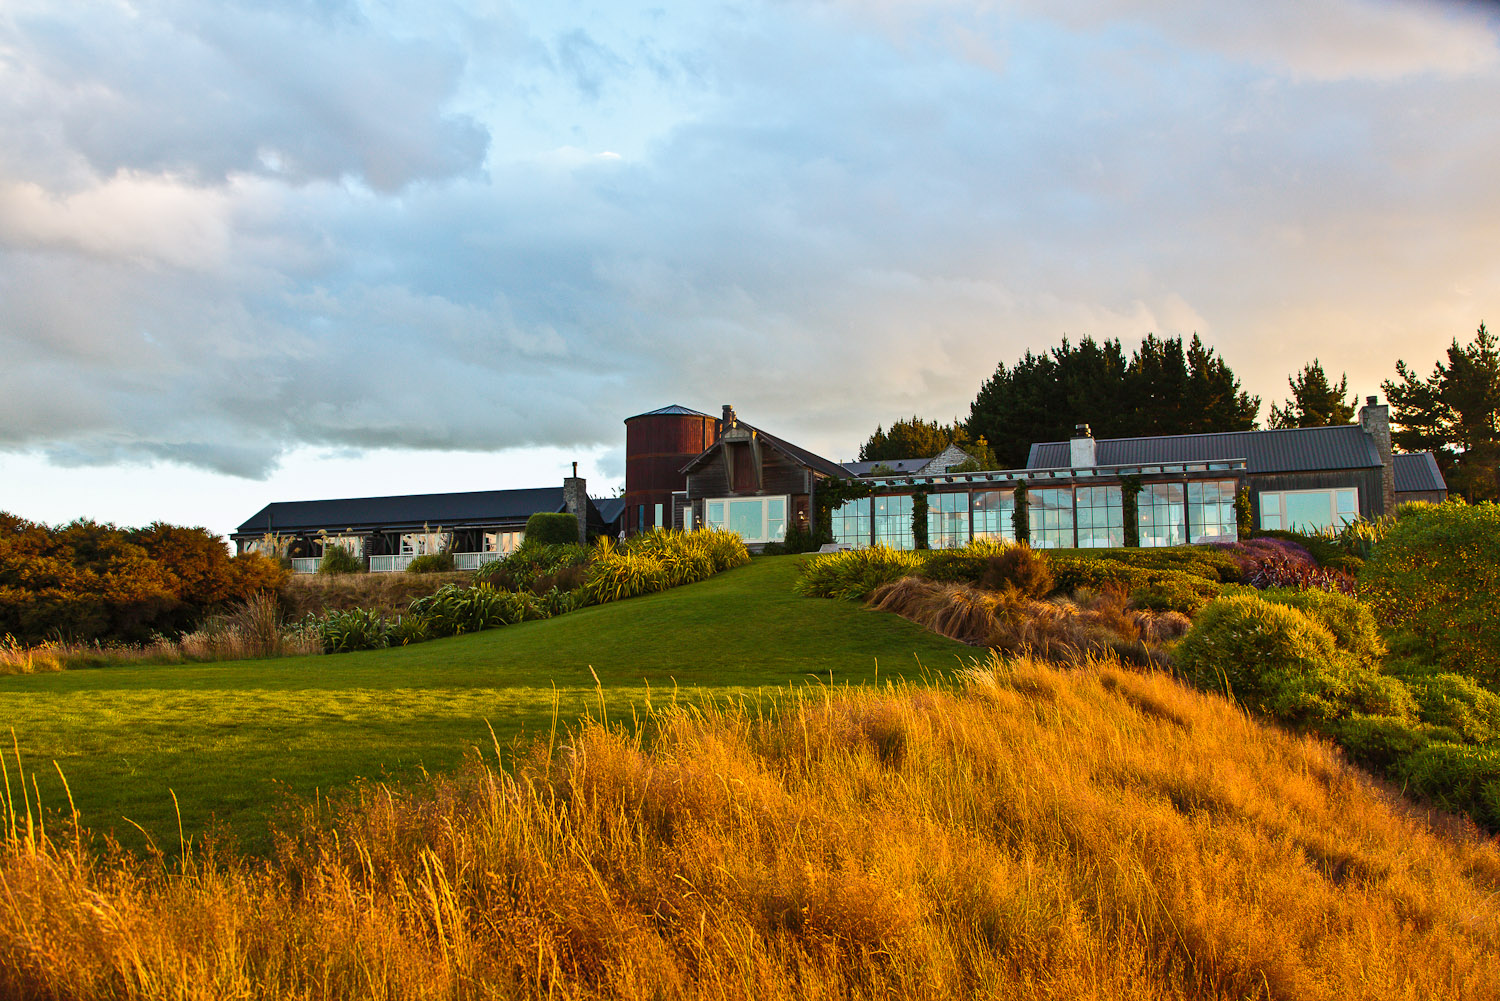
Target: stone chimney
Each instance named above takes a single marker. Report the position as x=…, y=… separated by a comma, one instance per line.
x=1375, y=421
x=1081, y=448
x=576, y=502
x=729, y=419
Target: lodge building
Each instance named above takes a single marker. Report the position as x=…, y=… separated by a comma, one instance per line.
x=686, y=469
x=755, y=483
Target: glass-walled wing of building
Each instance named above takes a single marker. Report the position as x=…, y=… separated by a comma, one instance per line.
x=1084, y=516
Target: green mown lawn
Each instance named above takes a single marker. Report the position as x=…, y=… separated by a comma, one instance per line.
x=231, y=739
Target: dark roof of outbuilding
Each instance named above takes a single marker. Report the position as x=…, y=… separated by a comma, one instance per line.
x=1417, y=471
x=1344, y=446
x=609, y=508
x=480, y=507
x=897, y=466
x=672, y=410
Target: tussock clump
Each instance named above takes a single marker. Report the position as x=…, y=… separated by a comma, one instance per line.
x=1057, y=629
x=1034, y=833
x=1020, y=569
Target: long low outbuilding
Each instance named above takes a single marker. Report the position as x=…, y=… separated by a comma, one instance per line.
x=387, y=533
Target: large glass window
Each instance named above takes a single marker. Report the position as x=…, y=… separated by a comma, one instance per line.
x=776, y=517
x=851, y=523
x=1308, y=510
x=947, y=520
x=1049, y=511
x=1211, y=511
x=892, y=521
x=994, y=514
x=502, y=542
x=1160, y=515
x=423, y=543
x=1100, y=517
x=756, y=519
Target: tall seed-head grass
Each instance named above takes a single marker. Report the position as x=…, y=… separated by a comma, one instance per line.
x=1034, y=833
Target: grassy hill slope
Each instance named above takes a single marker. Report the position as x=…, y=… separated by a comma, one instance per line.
x=230, y=738
x=1093, y=833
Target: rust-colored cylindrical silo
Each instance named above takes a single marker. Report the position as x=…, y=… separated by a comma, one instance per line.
x=657, y=445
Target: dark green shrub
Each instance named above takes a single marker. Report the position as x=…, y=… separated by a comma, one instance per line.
x=552, y=529
x=406, y=630
x=431, y=563
x=452, y=610
x=798, y=540
x=1169, y=594
x=1159, y=589
x=1351, y=623
x=1379, y=742
x=356, y=629
x=1324, y=548
x=338, y=560
x=530, y=562
x=1251, y=648
x=1436, y=575
x=1460, y=777
x=1019, y=568
x=1459, y=704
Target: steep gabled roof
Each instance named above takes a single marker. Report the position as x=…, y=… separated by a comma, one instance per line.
x=796, y=453
x=480, y=507
x=609, y=508
x=1344, y=446
x=1417, y=471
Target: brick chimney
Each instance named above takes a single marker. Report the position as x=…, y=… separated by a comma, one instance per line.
x=1081, y=448
x=1375, y=421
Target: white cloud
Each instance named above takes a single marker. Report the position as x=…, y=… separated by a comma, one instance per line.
x=228, y=235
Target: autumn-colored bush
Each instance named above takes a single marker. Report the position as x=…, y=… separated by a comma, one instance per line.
x=87, y=581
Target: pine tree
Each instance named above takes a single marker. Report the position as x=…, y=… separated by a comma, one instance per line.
x=912, y=438
x=1315, y=401
x=1454, y=413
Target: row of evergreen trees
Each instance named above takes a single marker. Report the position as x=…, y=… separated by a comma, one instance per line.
x=1167, y=386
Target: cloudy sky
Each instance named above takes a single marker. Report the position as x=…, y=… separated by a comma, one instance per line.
x=284, y=249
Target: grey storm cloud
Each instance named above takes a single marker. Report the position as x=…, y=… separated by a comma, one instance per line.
x=226, y=232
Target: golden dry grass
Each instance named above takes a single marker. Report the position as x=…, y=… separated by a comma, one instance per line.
x=254, y=629
x=1060, y=629
x=1035, y=834
x=388, y=594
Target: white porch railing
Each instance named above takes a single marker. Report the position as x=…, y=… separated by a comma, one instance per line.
x=304, y=564
x=461, y=561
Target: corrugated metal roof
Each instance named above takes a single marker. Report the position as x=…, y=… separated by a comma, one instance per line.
x=1417, y=471
x=480, y=507
x=1292, y=450
x=896, y=465
x=673, y=410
